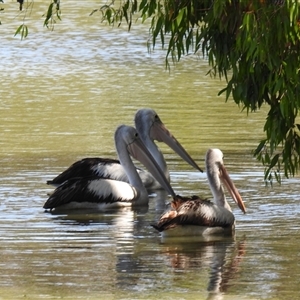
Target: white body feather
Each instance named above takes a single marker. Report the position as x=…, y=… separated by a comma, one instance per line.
x=121, y=190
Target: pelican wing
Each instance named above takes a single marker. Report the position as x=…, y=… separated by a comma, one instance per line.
x=194, y=212
x=92, y=190
x=92, y=166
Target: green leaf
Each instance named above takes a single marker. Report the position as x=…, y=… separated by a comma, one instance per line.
x=48, y=15
x=142, y=4
x=260, y=147
x=22, y=30
x=180, y=16
x=274, y=161
x=19, y=29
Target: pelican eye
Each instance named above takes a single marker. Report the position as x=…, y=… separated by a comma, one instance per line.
x=219, y=165
x=157, y=119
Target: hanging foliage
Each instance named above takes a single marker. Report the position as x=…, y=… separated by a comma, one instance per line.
x=254, y=45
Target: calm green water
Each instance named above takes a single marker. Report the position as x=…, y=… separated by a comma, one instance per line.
x=63, y=94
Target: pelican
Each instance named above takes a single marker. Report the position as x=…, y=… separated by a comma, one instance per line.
x=195, y=216
x=150, y=128
x=94, y=192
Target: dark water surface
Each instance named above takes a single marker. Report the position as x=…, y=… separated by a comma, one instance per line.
x=63, y=94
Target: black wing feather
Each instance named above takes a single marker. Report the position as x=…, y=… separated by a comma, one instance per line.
x=82, y=168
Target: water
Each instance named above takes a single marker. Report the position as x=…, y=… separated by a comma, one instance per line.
x=63, y=94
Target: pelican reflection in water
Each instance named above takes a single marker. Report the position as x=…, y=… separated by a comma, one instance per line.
x=222, y=256
x=195, y=216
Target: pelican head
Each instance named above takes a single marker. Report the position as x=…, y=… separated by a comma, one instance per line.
x=150, y=127
x=127, y=136
x=216, y=171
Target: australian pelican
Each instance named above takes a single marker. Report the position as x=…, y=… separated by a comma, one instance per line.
x=100, y=193
x=150, y=128
x=195, y=216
